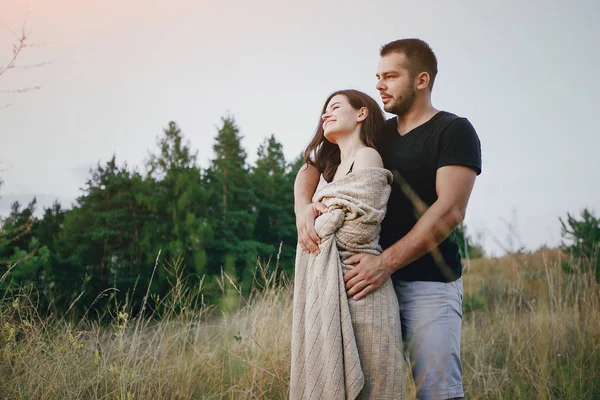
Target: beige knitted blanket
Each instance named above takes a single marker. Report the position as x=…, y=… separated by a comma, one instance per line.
x=342, y=348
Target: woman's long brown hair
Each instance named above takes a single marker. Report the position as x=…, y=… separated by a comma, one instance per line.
x=323, y=154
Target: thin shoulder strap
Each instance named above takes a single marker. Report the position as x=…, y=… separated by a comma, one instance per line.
x=351, y=166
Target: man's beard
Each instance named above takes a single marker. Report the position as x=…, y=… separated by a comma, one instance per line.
x=407, y=100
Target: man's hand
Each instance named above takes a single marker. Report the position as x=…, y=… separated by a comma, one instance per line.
x=305, y=224
x=369, y=274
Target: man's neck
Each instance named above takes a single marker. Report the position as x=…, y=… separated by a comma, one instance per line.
x=415, y=117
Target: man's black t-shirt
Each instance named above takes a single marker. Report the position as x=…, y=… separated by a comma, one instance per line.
x=414, y=159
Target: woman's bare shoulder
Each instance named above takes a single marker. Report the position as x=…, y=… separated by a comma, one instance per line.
x=367, y=157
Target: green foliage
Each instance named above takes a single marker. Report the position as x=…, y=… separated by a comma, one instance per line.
x=467, y=246
x=18, y=246
x=100, y=240
x=16, y=230
x=475, y=301
x=273, y=181
x=213, y=223
x=581, y=240
x=177, y=198
x=231, y=205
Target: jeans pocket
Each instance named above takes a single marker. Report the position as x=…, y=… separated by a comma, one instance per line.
x=459, y=295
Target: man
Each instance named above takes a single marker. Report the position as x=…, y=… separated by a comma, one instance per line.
x=435, y=157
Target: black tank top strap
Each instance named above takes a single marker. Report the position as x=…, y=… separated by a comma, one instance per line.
x=351, y=166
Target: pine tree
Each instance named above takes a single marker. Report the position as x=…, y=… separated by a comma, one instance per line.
x=581, y=240
x=232, y=202
x=58, y=286
x=100, y=238
x=180, y=222
x=16, y=229
x=18, y=246
x=275, y=224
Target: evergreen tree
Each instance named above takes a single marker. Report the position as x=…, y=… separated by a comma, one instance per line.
x=581, y=240
x=18, y=246
x=231, y=203
x=101, y=235
x=224, y=218
x=58, y=286
x=16, y=229
x=275, y=224
x=180, y=220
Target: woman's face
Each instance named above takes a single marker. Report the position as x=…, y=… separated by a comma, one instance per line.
x=340, y=118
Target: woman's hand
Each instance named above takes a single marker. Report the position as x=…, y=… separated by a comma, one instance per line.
x=305, y=224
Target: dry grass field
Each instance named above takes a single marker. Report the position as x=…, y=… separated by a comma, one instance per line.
x=530, y=331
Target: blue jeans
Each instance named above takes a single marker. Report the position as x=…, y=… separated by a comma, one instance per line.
x=431, y=317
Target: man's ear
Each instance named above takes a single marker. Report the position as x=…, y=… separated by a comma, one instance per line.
x=422, y=81
x=363, y=113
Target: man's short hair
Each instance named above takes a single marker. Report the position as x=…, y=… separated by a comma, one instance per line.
x=420, y=56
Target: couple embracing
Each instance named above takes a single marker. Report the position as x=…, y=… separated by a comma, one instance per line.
x=378, y=273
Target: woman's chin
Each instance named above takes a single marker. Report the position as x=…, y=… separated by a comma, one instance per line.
x=333, y=135
x=330, y=136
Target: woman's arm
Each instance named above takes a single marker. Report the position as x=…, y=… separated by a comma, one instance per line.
x=305, y=185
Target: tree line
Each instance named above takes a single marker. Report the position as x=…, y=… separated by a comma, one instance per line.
x=204, y=221
x=207, y=223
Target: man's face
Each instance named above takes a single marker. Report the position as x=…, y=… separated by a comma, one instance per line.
x=395, y=84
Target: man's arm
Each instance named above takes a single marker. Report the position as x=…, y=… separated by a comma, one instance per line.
x=454, y=184
x=305, y=185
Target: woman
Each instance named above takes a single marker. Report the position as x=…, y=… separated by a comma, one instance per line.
x=343, y=348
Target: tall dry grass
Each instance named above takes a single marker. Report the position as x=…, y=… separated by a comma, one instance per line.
x=530, y=331
x=534, y=330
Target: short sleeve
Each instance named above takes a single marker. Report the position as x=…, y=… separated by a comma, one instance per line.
x=459, y=145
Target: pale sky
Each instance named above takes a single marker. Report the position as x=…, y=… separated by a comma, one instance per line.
x=524, y=73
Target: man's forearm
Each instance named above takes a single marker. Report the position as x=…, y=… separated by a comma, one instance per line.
x=305, y=185
x=431, y=229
